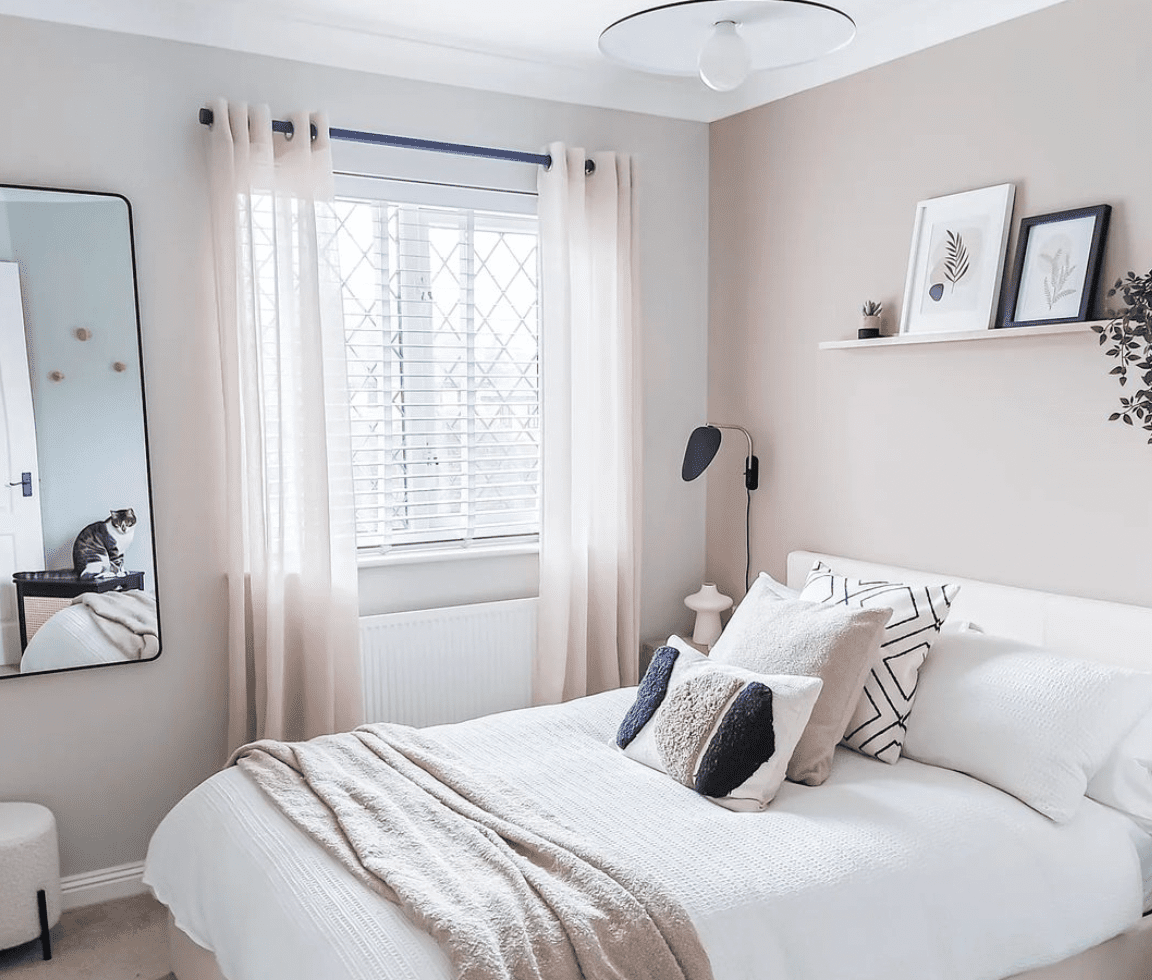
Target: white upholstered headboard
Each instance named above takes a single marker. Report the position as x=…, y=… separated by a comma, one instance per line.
x=1110, y=632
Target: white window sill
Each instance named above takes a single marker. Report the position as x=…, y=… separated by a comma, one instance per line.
x=423, y=556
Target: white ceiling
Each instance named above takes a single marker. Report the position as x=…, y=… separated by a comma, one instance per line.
x=544, y=47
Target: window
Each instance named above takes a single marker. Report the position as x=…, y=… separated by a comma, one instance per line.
x=442, y=326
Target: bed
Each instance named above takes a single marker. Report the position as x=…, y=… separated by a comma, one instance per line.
x=904, y=872
x=96, y=628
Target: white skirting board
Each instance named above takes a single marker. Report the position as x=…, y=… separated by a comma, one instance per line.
x=105, y=884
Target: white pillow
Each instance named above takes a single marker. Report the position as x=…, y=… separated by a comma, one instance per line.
x=1124, y=782
x=725, y=732
x=778, y=589
x=878, y=724
x=1021, y=718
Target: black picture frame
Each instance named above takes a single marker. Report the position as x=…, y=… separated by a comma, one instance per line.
x=1027, y=293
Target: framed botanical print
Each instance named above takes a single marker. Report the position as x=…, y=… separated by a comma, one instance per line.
x=1057, y=266
x=957, y=261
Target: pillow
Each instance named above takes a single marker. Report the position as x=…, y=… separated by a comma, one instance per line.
x=1124, y=782
x=727, y=733
x=952, y=625
x=960, y=626
x=879, y=722
x=1021, y=718
x=770, y=635
x=778, y=589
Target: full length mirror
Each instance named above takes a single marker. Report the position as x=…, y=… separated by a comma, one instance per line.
x=77, y=566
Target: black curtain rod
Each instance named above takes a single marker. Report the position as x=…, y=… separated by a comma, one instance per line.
x=408, y=143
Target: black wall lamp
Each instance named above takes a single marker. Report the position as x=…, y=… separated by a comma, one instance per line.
x=702, y=447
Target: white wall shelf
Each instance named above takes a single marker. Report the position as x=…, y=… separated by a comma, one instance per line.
x=1005, y=333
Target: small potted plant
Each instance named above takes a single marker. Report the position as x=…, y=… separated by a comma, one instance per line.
x=871, y=325
x=1129, y=335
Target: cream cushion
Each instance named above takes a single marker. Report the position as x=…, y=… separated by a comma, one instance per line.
x=771, y=635
x=29, y=862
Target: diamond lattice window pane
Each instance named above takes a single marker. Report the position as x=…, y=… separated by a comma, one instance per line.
x=442, y=313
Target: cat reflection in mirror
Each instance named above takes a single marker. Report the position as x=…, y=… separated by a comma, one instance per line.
x=99, y=549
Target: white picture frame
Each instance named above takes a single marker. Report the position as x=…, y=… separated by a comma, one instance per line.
x=956, y=264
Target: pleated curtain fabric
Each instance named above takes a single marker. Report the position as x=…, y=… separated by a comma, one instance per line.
x=588, y=634
x=292, y=592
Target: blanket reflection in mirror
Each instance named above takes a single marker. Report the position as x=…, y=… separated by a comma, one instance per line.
x=97, y=628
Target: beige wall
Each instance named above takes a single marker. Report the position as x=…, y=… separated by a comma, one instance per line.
x=111, y=750
x=989, y=459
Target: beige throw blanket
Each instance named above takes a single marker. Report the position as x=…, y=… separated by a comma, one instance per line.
x=507, y=889
x=126, y=619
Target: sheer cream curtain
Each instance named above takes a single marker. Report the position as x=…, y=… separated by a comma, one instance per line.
x=588, y=636
x=292, y=592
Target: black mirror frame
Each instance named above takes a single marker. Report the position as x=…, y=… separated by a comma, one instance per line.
x=144, y=419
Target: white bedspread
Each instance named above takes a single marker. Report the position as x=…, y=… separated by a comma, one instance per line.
x=902, y=872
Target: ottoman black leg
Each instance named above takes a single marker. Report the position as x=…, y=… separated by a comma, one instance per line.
x=45, y=939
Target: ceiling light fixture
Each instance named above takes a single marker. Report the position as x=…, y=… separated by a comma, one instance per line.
x=723, y=41
x=724, y=60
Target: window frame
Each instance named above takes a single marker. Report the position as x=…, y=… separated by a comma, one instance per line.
x=408, y=191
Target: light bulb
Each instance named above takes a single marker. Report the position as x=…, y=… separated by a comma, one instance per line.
x=724, y=59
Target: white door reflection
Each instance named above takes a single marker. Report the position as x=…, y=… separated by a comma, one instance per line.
x=21, y=534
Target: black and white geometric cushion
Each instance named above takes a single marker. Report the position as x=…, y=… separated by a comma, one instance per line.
x=879, y=723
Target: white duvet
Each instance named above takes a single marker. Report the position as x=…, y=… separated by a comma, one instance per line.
x=904, y=872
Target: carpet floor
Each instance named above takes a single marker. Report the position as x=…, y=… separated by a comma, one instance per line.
x=126, y=939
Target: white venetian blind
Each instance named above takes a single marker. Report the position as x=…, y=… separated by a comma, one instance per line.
x=441, y=310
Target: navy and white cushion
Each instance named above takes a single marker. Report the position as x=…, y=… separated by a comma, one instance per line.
x=879, y=723
x=725, y=732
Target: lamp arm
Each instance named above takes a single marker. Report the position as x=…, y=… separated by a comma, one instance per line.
x=737, y=428
x=752, y=465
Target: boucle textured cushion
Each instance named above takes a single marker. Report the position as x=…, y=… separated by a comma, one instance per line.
x=725, y=732
x=878, y=724
x=770, y=635
x=1023, y=719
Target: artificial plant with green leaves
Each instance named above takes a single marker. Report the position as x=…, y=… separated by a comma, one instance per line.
x=1130, y=335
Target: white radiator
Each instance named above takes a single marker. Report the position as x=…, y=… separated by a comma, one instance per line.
x=436, y=666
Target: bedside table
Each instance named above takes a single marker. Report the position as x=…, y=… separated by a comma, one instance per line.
x=40, y=594
x=649, y=647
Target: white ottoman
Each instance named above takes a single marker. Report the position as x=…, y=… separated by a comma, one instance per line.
x=29, y=875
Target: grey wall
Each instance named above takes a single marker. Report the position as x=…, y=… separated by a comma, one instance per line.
x=987, y=459
x=111, y=750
